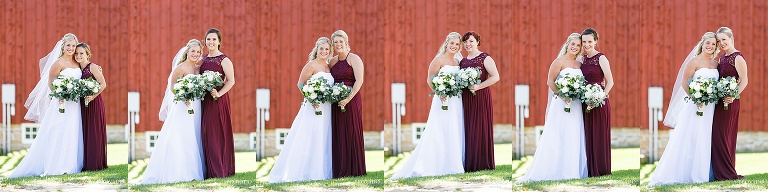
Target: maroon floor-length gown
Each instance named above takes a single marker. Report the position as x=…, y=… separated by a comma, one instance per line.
x=217, y=139
x=348, y=154
x=478, y=121
x=725, y=126
x=597, y=123
x=94, y=130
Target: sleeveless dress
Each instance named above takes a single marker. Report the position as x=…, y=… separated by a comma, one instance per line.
x=306, y=154
x=597, y=123
x=347, y=128
x=58, y=147
x=560, y=152
x=686, y=158
x=725, y=127
x=441, y=149
x=94, y=130
x=217, y=138
x=178, y=154
x=478, y=121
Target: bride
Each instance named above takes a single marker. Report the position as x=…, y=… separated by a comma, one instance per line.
x=306, y=154
x=178, y=155
x=561, y=153
x=687, y=155
x=441, y=149
x=58, y=147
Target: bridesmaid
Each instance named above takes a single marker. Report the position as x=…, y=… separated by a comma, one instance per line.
x=726, y=122
x=92, y=113
x=478, y=109
x=218, y=144
x=347, y=127
x=597, y=123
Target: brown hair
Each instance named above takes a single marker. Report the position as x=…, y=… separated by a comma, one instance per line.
x=590, y=31
x=86, y=48
x=465, y=37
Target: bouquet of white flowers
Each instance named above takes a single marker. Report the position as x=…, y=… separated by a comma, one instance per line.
x=569, y=87
x=65, y=89
x=89, y=87
x=728, y=87
x=594, y=96
x=316, y=92
x=467, y=77
x=702, y=91
x=187, y=88
x=445, y=86
x=339, y=92
x=211, y=80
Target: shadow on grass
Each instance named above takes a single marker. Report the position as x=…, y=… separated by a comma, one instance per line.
x=115, y=174
x=621, y=179
x=247, y=181
x=502, y=174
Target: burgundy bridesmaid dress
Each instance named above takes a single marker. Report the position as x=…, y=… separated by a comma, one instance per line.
x=478, y=121
x=597, y=123
x=94, y=130
x=348, y=149
x=725, y=126
x=217, y=139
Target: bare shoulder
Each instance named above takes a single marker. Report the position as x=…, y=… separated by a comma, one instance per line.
x=354, y=58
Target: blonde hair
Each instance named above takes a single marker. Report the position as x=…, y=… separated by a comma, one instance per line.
x=193, y=42
x=700, y=46
x=343, y=35
x=444, y=47
x=571, y=37
x=86, y=48
x=320, y=41
x=67, y=37
x=726, y=31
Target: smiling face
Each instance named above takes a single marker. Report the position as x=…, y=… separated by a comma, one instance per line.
x=470, y=44
x=212, y=41
x=589, y=42
x=194, y=53
x=81, y=56
x=339, y=44
x=726, y=42
x=574, y=47
x=323, y=51
x=709, y=46
x=454, y=45
x=68, y=48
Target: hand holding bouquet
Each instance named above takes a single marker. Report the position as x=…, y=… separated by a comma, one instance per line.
x=467, y=77
x=187, y=88
x=445, y=86
x=594, y=96
x=702, y=91
x=65, y=89
x=316, y=92
x=728, y=87
x=339, y=92
x=569, y=87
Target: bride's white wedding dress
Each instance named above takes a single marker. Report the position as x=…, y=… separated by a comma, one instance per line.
x=686, y=158
x=441, y=148
x=178, y=154
x=58, y=147
x=561, y=151
x=306, y=154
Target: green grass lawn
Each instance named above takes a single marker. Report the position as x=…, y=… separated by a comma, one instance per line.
x=490, y=179
x=752, y=165
x=625, y=167
x=252, y=175
x=108, y=179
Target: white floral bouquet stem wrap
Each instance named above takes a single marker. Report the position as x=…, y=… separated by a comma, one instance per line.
x=702, y=91
x=467, y=77
x=211, y=80
x=728, y=87
x=444, y=85
x=339, y=92
x=188, y=88
x=569, y=87
x=65, y=89
x=89, y=87
x=594, y=96
x=316, y=91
